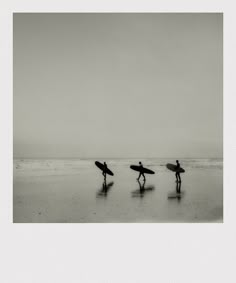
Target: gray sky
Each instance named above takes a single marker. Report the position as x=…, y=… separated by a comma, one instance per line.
x=118, y=85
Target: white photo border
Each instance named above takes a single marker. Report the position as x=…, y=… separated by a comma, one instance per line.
x=113, y=253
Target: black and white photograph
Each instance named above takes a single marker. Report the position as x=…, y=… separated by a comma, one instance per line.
x=118, y=141
x=117, y=117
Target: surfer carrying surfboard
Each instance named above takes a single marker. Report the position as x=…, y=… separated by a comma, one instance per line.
x=141, y=171
x=104, y=171
x=177, y=174
x=177, y=169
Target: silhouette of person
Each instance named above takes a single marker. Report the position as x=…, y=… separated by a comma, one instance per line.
x=177, y=174
x=141, y=171
x=104, y=172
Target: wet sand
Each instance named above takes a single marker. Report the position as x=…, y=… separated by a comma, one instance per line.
x=83, y=198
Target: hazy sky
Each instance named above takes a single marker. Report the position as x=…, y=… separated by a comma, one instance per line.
x=118, y=85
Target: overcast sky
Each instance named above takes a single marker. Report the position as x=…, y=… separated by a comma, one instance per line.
x=118, y=85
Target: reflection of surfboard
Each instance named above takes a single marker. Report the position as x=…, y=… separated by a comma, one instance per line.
x=142, y=170
x=172, y=167
x=175, y=195
x=101, y=166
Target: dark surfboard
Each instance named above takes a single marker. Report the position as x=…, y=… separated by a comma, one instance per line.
x=142, y=169
x=172, y=167
x=101, y=166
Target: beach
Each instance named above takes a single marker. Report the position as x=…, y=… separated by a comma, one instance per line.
x=73, y=191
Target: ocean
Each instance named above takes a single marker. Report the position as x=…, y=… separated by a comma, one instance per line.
x=73, y=191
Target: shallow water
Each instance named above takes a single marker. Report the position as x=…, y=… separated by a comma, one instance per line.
x=73, y=191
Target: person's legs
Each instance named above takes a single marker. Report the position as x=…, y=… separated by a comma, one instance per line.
x=179, y=178
x=104, y=175
x=176, y=176
x=143, y=177
x=180, y=187
x=177, y=187
x=139, y=176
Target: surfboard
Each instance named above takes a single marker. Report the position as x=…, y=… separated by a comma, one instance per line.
x=172, y=167
x=101, y=166
x=143, y=170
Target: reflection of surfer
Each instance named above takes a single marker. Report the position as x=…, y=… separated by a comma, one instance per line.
x=141, y=187
x=104, y=190
x=141, y=171
x=177, y=195
x=178, y=188
x=142, y=190
x=177, y=174
x=104, y=172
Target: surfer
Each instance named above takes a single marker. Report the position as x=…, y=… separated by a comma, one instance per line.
x=103, y=167
x=104, y=172
x=141, y=171
x=177, y=174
